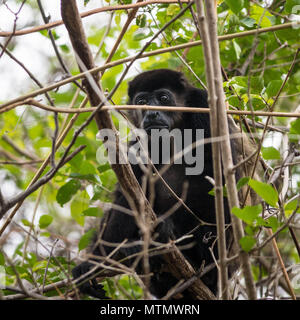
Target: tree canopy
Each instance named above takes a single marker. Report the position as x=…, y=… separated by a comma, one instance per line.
x=51, y=200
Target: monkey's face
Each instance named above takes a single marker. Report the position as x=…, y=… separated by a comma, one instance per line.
x=155, y=119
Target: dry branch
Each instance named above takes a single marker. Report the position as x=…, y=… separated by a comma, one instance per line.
x=43, y=106
x=233, y=200
x=216, y=153
x=216, y=77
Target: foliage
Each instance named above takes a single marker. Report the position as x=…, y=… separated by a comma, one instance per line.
x=74, y=199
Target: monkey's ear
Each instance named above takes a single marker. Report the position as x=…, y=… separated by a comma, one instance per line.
x=183, y=81
x=182, y=84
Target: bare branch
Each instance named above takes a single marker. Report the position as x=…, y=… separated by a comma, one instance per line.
x=43, y=106
x=216, y=154
x=233, y=200
x=22, y=152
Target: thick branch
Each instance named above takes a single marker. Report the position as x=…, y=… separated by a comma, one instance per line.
x=214, y=126
x=233, y=200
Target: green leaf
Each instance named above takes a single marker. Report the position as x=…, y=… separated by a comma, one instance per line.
x=248, y=214
x=247, y=243
x=273, y=223
x=64, y=48
x=45, y=221
x=78, y=205
x=67, y=191
x=242, y=182
x=86, y=239
x=237, y=49
x=257, y=102
x=26, y=223
x=140, y=34
x=248, y=22
x=257, y=84
x=172, y=9
x=109, y=179
x=141, y=20
x=295, y=127
x=87, y=168
x=2, y=260
x=241, y=81
x=76, y=162
x=235, y=102
x=290, y=6
x=261, y=16
x=273, y=88
x=93, y=212
x=93, y=178
x=235, y=5
x=212, y=192
x=270, y=153
x=39, y=265
x=265, y=191
x=117, y=19
x=45, y=234
x=290, y=207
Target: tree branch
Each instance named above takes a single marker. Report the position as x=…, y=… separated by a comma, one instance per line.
x=233, y=200
x=43, y=106
x=216, y=155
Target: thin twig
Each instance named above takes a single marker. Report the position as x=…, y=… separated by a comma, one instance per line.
x=22, y=152
x=286, y=276
x=42, y=181
x=41, y=105
x=31, y=75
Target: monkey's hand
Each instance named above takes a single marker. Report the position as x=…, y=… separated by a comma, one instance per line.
x=88, y=284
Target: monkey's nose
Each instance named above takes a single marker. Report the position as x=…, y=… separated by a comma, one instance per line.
x=153, y=115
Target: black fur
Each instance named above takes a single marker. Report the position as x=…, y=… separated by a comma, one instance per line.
x=120, y=226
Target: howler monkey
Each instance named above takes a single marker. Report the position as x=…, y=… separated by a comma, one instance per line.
x=163, y=87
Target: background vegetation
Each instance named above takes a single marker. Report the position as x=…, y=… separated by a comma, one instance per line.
x=261, y=71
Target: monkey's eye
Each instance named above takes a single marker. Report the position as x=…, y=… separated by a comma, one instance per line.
x=141, y=101
x=164, y=99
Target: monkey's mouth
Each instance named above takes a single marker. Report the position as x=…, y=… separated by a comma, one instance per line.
x=156, y=126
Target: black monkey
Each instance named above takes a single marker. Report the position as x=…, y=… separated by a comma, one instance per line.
x=164, y=87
